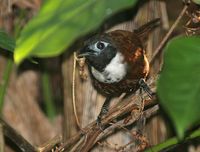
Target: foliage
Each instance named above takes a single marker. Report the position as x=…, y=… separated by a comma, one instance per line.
x=6, y=42
x=168, y=144
x=179, y=83
x=196, y=1
x=59, y=23
x=47, y=93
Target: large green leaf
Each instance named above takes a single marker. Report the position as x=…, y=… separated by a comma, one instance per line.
x=60, y=22
x=196, y=1
x=179, y=83
x=6, y=42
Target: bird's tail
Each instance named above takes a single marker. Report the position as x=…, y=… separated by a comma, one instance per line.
x=145, y=29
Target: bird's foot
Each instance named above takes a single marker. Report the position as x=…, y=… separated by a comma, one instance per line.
x=99, y=124
x=103, y=112
x=145, y=87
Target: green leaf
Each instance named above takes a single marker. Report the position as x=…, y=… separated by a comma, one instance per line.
x=48, y=96
x=172, y=142
x=196, y=1
x=6, y=42
x=60, y=22
x=179, y=83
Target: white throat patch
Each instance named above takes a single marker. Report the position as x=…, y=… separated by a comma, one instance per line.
x=113, y=72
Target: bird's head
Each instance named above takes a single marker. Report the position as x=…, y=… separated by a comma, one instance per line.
x=98, y=51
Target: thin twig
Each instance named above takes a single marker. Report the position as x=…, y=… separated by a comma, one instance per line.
x=73, y=93
x=91, y=141
x=162, y=43
x=50, y=144
x=147, y=114
x=79, y=143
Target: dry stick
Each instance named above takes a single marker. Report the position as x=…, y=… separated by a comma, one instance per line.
x=95, y=134
x=73, y=93
x=74, y=149
x=121, y=125
x=20, y=141
x=50, y=144
x=85, y=140
x=91, y=141
x=114, y=112
x=147, y=114
x=113, y=115
x=162, y=43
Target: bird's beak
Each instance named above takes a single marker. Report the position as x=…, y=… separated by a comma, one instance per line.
x=84, y=52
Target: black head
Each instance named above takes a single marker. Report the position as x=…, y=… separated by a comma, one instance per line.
x=98, y=51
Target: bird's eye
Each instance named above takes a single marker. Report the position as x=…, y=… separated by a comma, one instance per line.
x=100, y=45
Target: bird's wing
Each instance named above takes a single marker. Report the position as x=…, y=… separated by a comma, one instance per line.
x=143, y=31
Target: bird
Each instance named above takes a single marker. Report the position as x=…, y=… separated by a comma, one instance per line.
x=117, y=62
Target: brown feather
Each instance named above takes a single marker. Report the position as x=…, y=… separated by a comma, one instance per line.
x=130, y=44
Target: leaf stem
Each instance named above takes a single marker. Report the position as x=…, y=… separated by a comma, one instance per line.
x=47, y=92
x=5, y=81
x=173, y=142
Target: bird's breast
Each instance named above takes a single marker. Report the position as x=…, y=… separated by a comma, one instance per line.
x=114, y=72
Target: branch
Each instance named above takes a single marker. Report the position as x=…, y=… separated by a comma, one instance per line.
x=162, y=43
x=20, y=141
x=84, y=141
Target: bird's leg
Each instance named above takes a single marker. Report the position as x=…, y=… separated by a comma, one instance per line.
x=145, y=87
x=104, y=111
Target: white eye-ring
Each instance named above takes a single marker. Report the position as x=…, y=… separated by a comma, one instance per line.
x=100, y=45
